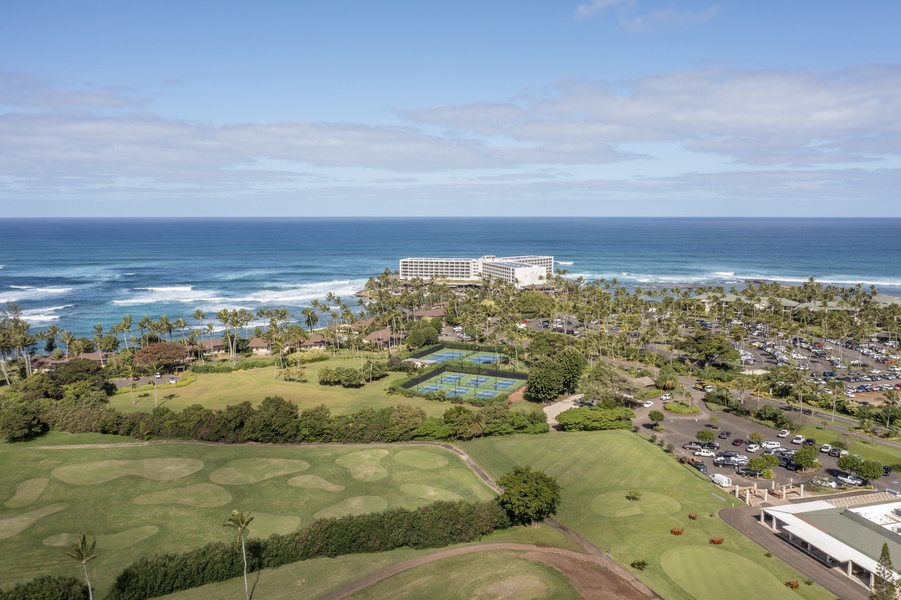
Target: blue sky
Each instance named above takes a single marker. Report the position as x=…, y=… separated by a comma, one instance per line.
x=592, y=107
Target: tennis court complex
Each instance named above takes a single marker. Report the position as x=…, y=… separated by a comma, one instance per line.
x=474, y=357
x=465, y=385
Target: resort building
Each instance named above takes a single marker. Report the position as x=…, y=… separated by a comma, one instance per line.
x=520, y=270
x=844, y=533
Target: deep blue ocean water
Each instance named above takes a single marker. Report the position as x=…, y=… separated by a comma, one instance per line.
x=78, y=272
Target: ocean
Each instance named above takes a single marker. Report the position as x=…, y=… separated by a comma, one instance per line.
x=75, y=273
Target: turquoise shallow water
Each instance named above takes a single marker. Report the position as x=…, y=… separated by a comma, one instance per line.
x=78, y=272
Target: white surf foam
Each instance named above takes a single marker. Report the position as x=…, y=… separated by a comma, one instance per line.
x=45, y=315
x=27, y=292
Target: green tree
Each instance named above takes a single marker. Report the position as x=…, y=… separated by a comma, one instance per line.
x=704, y=435
x=757, y=438
x=83, y=552
x=240, y=522
x=545, y=379
x=884, y=586
x=656, y=417
x=571, y=364
x=529, y=495
x=806, y=457
x=869, y=470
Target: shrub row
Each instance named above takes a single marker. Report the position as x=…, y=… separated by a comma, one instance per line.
x=48, y=588
x=432, y=526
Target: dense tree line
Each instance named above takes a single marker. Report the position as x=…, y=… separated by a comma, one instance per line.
x=46, y=587
x=275, y=421
x=432, y=526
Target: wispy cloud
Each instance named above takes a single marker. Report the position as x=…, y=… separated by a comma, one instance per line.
x=668, y=18
x=586, y=11
x=29, y=91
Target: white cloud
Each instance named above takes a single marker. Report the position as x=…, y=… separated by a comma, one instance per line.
x=27, y=90
x=585, y=11
x=668, y=18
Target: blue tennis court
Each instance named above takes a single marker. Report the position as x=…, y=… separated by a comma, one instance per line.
x=452, y=378
x=503, y=384
x=458, y=391
x=477, y=381
x=447, y=355
x=432, y=387
x=485, y=359
x=486, y=394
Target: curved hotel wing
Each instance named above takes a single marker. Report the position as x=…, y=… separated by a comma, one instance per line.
x=520, y=270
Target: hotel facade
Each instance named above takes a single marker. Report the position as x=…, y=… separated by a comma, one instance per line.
x=521, y=271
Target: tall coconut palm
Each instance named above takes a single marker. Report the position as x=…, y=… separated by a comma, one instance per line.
x=240, y=522
x=82, y=551
x=68, y=339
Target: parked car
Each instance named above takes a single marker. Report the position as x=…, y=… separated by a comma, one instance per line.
x=712, y=445
x=746, y=472
x=648, y=404
x=827, y=448
x=700, y=466
x=705, y=452
x=752, y=448
x=692, y=446
x=798, y=439
x=886, y=470
x=835, y=452
x=768, y=445
x=725, y=435
x=666, y=397
x=784, y=433
x=850, y=480
x=737, y=442
x=824, y=482
x=810, y=442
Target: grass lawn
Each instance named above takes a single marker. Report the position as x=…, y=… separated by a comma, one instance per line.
x=597, y=469
x=318, y=577
x=868, y=449
x=218, y=390
x=141, y=500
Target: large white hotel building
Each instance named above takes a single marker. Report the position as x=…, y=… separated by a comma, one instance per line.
x=519, y=270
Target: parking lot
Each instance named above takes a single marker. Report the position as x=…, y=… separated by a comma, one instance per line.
x=681, y=429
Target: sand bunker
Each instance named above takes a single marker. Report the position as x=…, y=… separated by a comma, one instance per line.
x=13, y=525
x=420, y=459
x=364, y=465
x=315, y=482
x=114, y=541
x=264, y=525
x=27, y=492
x=203, y=495
x=251, y=470
x=353, y=506
x=433, y=494
x=158, y=469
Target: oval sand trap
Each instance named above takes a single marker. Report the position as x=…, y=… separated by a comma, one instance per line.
x=252, y=470
x=353, y=506
x=13, y=525
x=203, y=495
x=364, y=465
x=27, y=492
x=315, y=482
x=427, y=492
x=101, y=471
x=614, y=504
x=264, y=525
x=708, y=573
x=114, y=541
x=420, y=459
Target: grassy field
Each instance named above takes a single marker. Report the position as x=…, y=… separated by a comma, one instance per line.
x=319, y=577
x=498, y=575
x=597, y=469
x=217, y=390
x=868, y=449
x=141, y=500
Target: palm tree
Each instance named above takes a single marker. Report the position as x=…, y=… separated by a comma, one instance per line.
x=836, y=387
x=80, y=550
x=68, y=339
x=239, y=522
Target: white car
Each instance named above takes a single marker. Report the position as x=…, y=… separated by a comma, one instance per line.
x=824, y=482
x=849, y=480
x=666, y=397
x=784, y=433
x=825, y=448
x=770, y=445
x=798, y=439
x=647, y=404
x=705, y=452
x=752, y=448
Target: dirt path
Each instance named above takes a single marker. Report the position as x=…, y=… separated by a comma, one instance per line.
x=588, y=574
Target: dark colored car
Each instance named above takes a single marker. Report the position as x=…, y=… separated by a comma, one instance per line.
x=712, y=445
x=835, y=452
x=886, y=470
x=810, y=442
x=702, y=467
x=724, y=435
x=746, y=472
x=737, y=442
